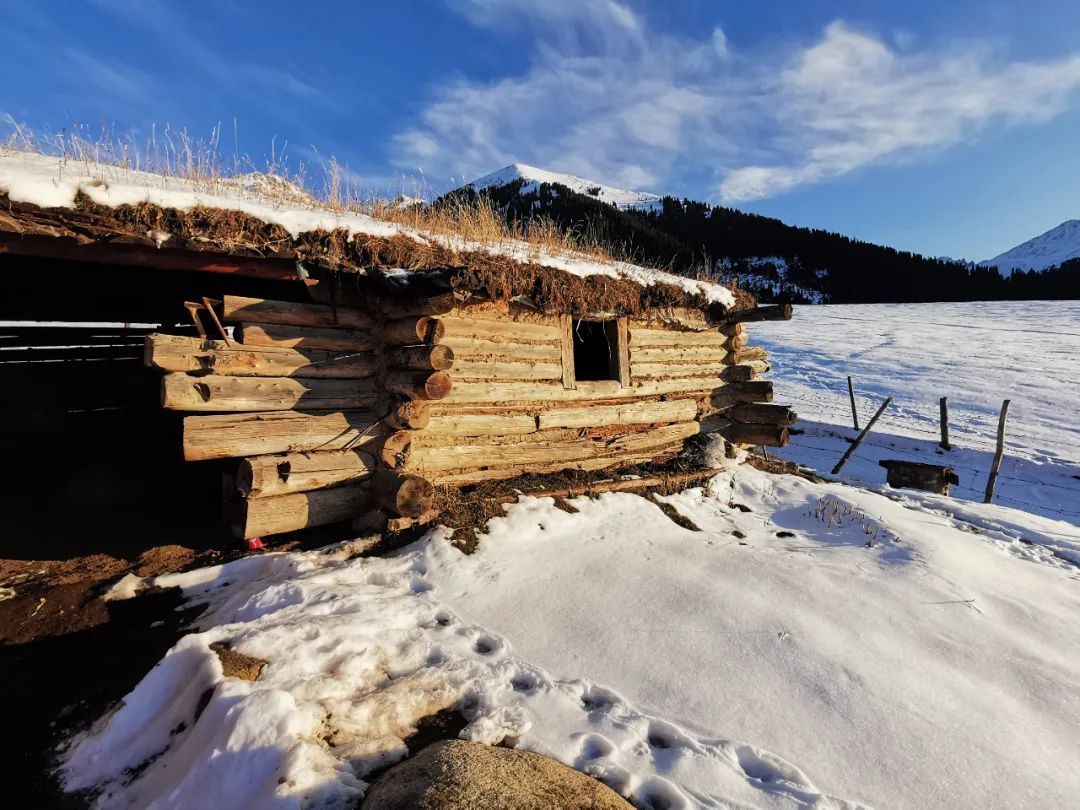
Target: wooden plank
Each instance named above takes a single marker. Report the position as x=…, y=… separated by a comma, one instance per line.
x=474, y=476
x=494, y=349
x=566, y=349
x=630, y=413
x=215, y=393
x=506, y=454
x=177, y=353
x=237, y=308
x=678, y=354
x=525, y=391
x=480, y=424
x=281, y=336
x=268, y=476
x=677, y=369
x=622, y=351
x=469, y=368
x=256, y=434
x=760, y=414
x=260, y=517
x=509, y=329
x=662, y=337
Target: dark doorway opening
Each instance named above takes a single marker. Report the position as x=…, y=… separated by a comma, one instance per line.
x=596, y=351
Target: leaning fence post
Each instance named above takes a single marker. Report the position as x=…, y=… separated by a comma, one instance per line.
x=851, y=393
x=992, y=480
x=858, y=441
x=945, y=424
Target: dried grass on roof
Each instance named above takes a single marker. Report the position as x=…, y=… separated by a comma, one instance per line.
x=232, y=232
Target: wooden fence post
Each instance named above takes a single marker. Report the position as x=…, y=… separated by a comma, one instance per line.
x=851, y=450
x=851, y=393
x=992, y=480
x=945, y=424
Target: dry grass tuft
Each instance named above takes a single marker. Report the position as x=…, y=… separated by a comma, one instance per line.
x=468, y=225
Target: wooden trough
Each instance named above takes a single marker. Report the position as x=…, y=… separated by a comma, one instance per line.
x=916, y=475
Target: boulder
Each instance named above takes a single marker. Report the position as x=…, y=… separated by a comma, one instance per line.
x=461, y=775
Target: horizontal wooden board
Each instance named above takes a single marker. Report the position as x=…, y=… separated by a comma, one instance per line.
x=256, y=434
x=479, y=348
x=488, y=330
x=678, y=354
x=175, y=353
x=666, y=370
x=259, y=310
x=506, y=392
x=216, y=393
x=481, y=424
x=631, y=413
x=468, y=368
x=305, y=337
x=268, y=476
x=261, y=517
x=662, y=337
x=508, y=454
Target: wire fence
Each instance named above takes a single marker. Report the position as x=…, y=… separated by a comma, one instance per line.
x=961, y=437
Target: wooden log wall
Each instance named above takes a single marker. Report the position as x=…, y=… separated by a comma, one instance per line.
x=315, y=404
x=331, y=412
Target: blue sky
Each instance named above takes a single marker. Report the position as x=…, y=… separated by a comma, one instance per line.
x=947, y=128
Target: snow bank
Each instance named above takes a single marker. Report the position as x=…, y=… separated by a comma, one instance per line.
x=977, y=354
x=813, y=645
x=51, y=182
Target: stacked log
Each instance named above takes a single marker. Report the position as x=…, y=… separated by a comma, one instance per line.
x=334, y=412
x=299, y=397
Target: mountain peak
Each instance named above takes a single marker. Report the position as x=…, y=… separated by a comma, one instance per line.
x=534, y=177
x=1048, y=249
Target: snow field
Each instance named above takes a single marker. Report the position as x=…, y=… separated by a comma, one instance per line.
x=977, y=354
x=772, y=659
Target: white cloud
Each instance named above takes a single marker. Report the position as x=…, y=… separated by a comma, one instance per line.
x=609, y=99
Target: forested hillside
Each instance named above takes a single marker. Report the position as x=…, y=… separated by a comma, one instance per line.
x=775, y=260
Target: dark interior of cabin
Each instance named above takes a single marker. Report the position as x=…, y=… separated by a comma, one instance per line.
x=595, y=351
x=94, y=464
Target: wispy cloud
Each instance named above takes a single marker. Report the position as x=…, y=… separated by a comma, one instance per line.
x=266, y=81
x=607, y=98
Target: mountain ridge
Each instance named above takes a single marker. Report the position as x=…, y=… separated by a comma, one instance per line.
x=1050, y=249
x=765, y=256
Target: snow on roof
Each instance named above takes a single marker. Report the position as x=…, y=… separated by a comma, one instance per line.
x=619, y=197
x=54, y=182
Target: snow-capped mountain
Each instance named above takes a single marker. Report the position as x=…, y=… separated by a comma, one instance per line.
x=621, y=198
x=1050, y=249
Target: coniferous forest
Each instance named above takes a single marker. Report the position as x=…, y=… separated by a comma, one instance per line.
x=697, y=238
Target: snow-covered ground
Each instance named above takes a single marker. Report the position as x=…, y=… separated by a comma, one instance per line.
x=976, y=354
x=812, y=645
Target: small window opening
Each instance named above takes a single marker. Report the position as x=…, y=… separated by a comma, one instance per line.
x=596, y=353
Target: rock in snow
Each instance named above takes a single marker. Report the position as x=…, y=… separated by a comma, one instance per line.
x=1047, y=250
x=460, y=775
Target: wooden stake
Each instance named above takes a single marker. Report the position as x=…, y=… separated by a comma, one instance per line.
x=992, y=481
x=851, y=450
x=854, y=412
x=945, y=424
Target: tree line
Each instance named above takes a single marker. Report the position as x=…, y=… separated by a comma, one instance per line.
x=692, y=237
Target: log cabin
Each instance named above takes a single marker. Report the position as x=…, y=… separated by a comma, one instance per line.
x=160, y=338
